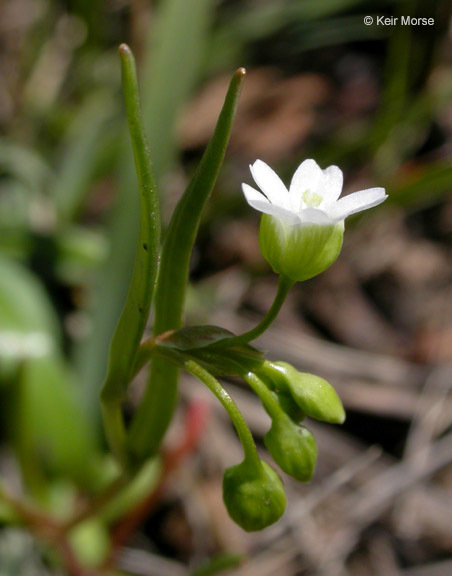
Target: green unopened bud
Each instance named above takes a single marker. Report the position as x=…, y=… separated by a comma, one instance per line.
x=274, y=380
x=292, y=447
x=299, y=251
x=314, y=395
x=253, y=495
x=289, y=406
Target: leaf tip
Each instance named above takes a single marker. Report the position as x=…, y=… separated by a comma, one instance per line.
x=240, y=72
x=124, y=49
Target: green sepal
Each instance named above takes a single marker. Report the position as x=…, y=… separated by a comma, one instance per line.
x=292, y=447
x=253, y=495
x=299, y=252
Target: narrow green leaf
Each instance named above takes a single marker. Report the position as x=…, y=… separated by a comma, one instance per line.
x=182, y=230
x=170, y=69
x=155, y=411
x=204, y=345
x=209, y=339
x=132, y=322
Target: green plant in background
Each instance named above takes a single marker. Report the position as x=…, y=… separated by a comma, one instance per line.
x=300, y=236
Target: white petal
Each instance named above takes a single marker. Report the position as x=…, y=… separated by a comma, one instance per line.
x=270, y=184
x=315, y=216
x=331, y=187
x=307, y=177
x=253, y=195
x=355, y=202
x=260, y=202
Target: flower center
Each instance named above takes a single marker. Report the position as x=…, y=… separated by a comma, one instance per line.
x=311, y=199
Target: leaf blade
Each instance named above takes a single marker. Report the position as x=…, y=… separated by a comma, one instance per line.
x=132, y=322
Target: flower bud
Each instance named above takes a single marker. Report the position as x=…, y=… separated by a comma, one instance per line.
x=253, y=495
x=314, y=395
x=289, y=406
x=299, y=251
x=292, y=447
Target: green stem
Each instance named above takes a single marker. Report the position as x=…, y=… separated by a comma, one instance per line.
x=284, y=285
x=268, y=400
x=246, y=438
x=144, y=354
x=115, y=430
x=220, y=393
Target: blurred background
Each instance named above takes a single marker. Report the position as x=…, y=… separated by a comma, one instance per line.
x=373, y=99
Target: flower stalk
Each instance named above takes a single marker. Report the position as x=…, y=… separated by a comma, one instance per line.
x=245, y=436
x=284, y=285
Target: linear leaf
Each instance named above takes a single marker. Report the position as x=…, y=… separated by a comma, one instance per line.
x=132, y=321
x=170, y=69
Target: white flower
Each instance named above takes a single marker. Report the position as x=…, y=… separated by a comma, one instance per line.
x=313, y=195
x=302, y=229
